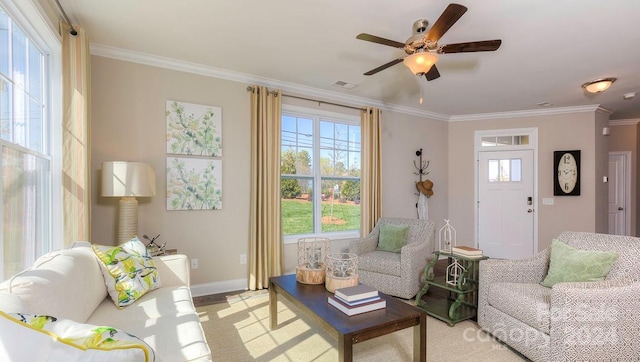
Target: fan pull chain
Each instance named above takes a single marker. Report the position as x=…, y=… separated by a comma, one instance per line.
x=420, y=85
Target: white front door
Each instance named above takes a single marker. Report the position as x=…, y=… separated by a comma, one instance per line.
x=506, y=204
x=617, y=194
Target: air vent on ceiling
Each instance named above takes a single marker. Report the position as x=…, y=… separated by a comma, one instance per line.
x=345, y=85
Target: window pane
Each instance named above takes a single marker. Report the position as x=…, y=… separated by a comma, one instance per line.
x=19, y=117
x=6, y=126
x=488, y=141
x=297, y=206
x=297, y=146
x=504, y=141
x=19, y=57
x=505, y=170
x=341, y=205
x=35, y=126
x=4, y=43
x=35, y=73
x=25, y=208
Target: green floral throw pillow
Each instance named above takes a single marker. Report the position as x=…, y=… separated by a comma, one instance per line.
x=128, y=270
x=392, y=237
x=569, y=264
x=30, y=337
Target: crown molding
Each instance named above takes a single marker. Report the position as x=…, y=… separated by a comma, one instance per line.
x=624, y=122
x=286, y=87
x=527, y=113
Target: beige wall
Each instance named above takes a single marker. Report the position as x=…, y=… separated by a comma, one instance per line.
x=128, y=123
x=555, y=132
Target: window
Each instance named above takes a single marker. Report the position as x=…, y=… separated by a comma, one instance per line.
x=505, y=170
x=320, y=174
x=26, y=164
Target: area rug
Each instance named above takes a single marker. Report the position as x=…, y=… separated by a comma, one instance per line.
x=238, y=330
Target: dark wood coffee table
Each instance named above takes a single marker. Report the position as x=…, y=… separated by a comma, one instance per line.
x=312, y=300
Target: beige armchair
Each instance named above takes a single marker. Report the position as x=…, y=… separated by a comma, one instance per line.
x=396, y=274
x=576, y=321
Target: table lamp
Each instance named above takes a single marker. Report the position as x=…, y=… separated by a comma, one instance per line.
x=128, y=180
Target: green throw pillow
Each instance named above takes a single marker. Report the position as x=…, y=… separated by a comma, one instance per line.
x=392, y=237
x=569, y=264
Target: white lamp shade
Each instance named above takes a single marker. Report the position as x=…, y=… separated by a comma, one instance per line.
x=421, y=62
x=128, y=179
x=598, y=85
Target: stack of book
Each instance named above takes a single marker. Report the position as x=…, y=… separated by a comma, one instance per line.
x=357, y=299
x=467, y=251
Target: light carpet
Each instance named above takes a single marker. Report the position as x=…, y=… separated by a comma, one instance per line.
x=238, y=330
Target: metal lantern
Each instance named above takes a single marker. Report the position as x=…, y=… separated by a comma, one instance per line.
x=342, y=271
x=311, y=260
x=447, y=237
x=454, y=273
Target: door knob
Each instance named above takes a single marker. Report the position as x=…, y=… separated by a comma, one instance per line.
x=530, y=210
x=620, y=208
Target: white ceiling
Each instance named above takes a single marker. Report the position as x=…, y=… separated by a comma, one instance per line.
x=549, y=48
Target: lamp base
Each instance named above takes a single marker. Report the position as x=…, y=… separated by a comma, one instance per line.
x=127, y=219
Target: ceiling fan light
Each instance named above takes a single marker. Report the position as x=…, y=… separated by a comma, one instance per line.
x=420, y=63
x=598, y=85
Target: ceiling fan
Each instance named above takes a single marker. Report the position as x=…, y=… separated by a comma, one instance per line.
x=423, y=48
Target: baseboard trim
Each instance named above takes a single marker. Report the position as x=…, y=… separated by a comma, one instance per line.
x=199, y=290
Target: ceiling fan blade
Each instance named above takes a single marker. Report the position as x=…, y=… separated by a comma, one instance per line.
x=449, y=16
x=432, y=73
x=472, y=46
x=384, y=66
x=379, y=40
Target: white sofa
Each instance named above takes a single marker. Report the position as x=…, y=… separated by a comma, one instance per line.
x=69, y=284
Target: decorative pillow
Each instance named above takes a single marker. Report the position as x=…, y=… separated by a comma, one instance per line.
x=568, y=264
x=392, y=237
x=129, y=271
x=30, y=337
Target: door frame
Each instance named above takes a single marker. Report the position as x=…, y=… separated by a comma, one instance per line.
x=627, y=187
x=532, y=133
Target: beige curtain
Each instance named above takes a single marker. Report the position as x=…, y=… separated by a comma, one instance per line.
x=76, y=158
x=370, y=180
x=265, y=249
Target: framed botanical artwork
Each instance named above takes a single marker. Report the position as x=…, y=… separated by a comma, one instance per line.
x=194, y=129
x=194, y=183
x=566, y=173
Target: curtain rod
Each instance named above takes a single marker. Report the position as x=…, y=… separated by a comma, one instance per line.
x=73, y=32
x=249, y=89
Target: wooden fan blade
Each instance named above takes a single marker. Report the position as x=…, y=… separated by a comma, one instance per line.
x=449, y=16
x=379, y=40
x=432, y=73
x=384, y=66
x=472, y=46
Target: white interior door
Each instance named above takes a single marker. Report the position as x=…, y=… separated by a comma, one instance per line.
x=617, y=194
x=506, y=204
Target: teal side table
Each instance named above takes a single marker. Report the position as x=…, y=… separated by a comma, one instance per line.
x=461, y=300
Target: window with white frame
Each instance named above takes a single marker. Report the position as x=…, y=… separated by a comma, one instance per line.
x=320, y=174
x=25, y=147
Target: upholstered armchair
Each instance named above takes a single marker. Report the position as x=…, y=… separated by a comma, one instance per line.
x=595, y=321
x=394, y=273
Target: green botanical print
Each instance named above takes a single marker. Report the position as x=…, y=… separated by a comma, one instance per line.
x=193, y=132
x=193, y=188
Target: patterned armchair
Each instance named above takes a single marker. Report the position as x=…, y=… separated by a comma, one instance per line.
x=395, y=274
x=570, y=321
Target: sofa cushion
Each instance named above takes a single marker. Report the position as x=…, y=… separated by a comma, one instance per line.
x=65, y=283
x=568, y=264
x=11, y=303
x=30, y=337
x=383, y=262
x=528, y=303
x=129, y=271
x=165, y=318
x=392, y=237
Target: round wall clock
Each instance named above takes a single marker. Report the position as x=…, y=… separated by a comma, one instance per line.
x=566, y=173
